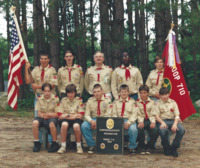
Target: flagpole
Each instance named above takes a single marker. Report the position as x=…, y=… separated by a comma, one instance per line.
x=12, y=9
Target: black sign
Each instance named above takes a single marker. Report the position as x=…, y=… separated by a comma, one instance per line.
x=110, y=135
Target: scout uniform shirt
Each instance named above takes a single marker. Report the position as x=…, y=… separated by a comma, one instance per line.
x=98, y=108
x=167, y=110
x=130, y=76
x=47, y=105
x=68, y=76
x=154, y=81
x=126, y=109
x=68, y=106
x=147, y=110
x=101, y=76
x=47, y=74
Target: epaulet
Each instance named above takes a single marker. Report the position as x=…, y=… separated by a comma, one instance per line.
x=39, y=96
x=120, y=66
x=78, y=66
x=138, y=100
x=89, y=67
x=80, y=98
x=50, y=66
x=91, y=98
x=37, y=67
x=56, y=96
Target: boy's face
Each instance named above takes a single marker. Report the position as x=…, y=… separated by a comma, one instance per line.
x=124, y=93
x=44, y=61
x=98, y=93
x=47, y=92
x=99, y=58
x=144, y=95
x=159, y=64
x=164, y=97
x=69, y=58
x=71, y=95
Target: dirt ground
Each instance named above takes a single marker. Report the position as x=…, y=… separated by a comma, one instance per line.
x=16, y=144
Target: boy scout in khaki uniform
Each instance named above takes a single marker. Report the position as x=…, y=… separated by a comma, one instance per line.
x=70, y=73
x=146, y=121
x=97, y=106
x=100, y=74
x=47, y=116
x=71, y=111
x=42, y=74
x=168, y=119
x=155, y=78
x=124, y=107
x=126, y=74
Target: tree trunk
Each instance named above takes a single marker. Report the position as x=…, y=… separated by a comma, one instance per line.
x=1, y=75
x=137, y=28
x=38, y=31
x=144, y=60
x=130, y=31
x=92, y=29
x=54, y=34
x=117, y=31
x=175, y=16
x=65, y=26
x=17, y=11
x=105, y=31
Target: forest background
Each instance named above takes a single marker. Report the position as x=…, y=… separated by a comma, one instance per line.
x=139, y=27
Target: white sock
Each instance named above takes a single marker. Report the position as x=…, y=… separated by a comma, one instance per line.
x=78, y=143
x=63, y=144
x=36, y=140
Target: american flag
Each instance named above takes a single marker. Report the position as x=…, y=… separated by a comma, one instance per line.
x=16, y=62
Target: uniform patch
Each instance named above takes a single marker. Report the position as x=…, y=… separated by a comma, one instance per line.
x=172, y=110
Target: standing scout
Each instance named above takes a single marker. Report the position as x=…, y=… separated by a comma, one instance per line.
x=155, y=78
x=71, y=115
x=168, y=119
x=124, y=107
x=70, y=73
x=126, y=74
x=97, y=106
x=100, y=74
x=41, y=74
x=46, y=107
x=146, y=121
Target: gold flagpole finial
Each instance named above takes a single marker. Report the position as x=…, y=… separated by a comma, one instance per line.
x=13, y=8
x=172, y=26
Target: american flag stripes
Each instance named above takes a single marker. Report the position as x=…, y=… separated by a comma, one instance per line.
x=16, y=62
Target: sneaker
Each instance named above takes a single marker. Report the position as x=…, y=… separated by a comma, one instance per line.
x=167, y=151
x=62, y=149
x=79, y=149
x=91, y=149
x=174, y=152
x=142, y=151
x=37, y=146
x=149, y=151
x=54, y=147
x=132, y=151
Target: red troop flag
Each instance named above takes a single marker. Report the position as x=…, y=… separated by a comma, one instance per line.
x=16, y=61
x=173, y=78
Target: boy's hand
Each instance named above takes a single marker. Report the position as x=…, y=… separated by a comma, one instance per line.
x=93, y=124
x=163, y=125
x=141, y=125
x=126, y=125
x=152, y=126
x=62, y=116
x=174, y=128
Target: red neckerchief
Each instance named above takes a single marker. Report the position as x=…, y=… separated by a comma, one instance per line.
x=159, y=72
x=98, y=75
x=123, y=107
x=145, y=110
x=127, y=73
x=42, y=74
x=98, y=108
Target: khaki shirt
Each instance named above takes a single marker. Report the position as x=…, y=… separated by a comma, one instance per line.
x=150, y=110
x=167, y=110
x=92, y=106
x=130, y=111
x=71, y=107
x=77, y=78
x=47, y=105
x=91, y=78
x=50, y=76
x=119, y=78
x=152, y=80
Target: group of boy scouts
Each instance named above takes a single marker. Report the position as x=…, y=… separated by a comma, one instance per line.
x=143, y=106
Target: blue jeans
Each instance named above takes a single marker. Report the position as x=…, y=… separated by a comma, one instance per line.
x=87, y=132
x=133, y=134
x=164, y=134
